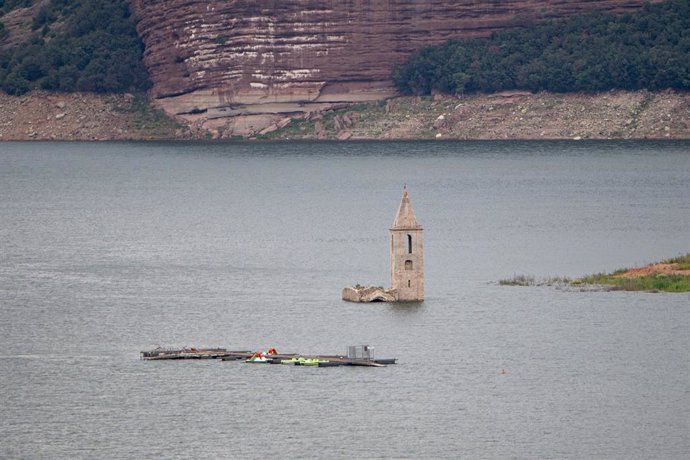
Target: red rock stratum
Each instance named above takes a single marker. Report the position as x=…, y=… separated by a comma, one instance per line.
x=240, y=66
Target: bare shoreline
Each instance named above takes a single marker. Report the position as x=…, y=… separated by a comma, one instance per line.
x=503, y=116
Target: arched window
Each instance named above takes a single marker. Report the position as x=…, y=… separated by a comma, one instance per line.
x=408, y=265
x=409, y=244
x=409, y=283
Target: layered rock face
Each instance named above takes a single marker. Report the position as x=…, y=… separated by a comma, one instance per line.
x=242, y=66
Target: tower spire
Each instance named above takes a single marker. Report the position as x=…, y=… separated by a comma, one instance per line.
x=405, y=218
x=407, y=254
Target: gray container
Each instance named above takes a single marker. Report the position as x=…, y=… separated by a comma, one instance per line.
x=360, y=352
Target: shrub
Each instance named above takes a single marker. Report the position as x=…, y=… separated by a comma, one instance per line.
x=96, y=49
x=596, y=52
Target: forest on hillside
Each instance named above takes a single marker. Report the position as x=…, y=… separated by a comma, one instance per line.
x=75, y=45
x=92, y=45
x=649, y=49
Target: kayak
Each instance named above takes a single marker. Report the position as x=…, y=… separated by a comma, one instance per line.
x=304, y=361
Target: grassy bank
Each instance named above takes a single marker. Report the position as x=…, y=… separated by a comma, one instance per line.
x=671, y=275
x=662, y=277
x=658, y=282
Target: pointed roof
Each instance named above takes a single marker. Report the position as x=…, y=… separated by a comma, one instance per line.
x=405, y=219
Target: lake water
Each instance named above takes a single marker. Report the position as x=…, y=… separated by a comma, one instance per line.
x=112, y=248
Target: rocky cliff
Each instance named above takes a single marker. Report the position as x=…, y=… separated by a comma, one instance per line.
x=243, y=66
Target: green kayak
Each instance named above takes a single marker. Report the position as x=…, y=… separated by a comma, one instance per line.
x=303, y=361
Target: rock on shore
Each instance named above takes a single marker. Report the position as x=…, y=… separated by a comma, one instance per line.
x=507, y=115
x=42, y=115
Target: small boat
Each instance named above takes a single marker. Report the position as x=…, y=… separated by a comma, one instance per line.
x=301, y=361
x=258, y=358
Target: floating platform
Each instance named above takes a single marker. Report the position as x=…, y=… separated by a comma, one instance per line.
x=357, y=356
x=324, y=360
x=192, y=353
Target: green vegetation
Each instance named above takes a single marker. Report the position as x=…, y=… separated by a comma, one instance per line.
x=8, y=5
x=652, y=282
x=518, y=280
x=649, y=49
x=525, y=280
x=83, y=45
x=618, y=281
x=682, y=261
x=149, y=119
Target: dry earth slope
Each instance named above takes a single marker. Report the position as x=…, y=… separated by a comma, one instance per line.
x=510, y=115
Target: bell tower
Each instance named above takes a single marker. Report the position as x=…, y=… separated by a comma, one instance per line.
x=407, y=258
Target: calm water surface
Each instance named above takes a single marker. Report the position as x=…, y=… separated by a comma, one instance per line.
x=107, y=249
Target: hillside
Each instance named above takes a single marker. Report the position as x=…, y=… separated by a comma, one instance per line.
x=242, y=66
x=506, y=115
x=40, y=115
x=67, y=46
x=646, y=49
x=323, y=69
x=611, y=115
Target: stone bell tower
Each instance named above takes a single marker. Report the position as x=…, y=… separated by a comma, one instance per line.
x=407, y=257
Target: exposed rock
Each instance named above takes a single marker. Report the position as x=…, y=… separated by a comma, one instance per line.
x=245, y=58
x=439, y=122
x=90, y=116
x=319, y=130
x=284, y=122
x=620, y=115
x=337, y=123
x=268, y=129
x=369, y=294
x=344, y=135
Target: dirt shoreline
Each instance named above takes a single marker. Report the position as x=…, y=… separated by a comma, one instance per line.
x=508, y=115
x=652, y=269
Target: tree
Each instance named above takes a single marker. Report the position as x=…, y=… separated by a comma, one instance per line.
x=596, y=52
x=95, y=48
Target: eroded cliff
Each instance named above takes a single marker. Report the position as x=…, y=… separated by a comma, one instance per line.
x=240, y=67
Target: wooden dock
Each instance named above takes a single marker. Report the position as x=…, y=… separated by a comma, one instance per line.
x=276, y=358
x=192, y=353
x=333, y=360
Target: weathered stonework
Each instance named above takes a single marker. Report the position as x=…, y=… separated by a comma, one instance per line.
x=369, y=294
x=213, y=62
x=407, y=254
x=407, y=262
